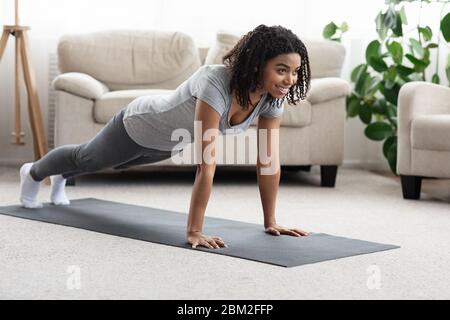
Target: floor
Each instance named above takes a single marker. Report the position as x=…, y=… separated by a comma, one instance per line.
x=45, y=261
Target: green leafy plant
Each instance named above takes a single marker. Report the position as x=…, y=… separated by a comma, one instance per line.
x=334, y=32
x=396, y=57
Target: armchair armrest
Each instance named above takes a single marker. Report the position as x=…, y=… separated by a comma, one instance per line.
x=80, y=84
x=417, y=98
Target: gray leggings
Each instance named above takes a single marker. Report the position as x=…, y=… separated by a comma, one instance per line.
x=110, y=148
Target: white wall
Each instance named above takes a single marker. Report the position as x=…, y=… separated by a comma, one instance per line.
x=49, y=19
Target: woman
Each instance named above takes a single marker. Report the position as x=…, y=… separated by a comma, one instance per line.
x=266, y=66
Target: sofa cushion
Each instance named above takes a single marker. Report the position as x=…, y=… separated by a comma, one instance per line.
x=225, y=41
x=112, y=102
x=431, y=132
x=124, y=59
x=326, y=57
x=294, y=116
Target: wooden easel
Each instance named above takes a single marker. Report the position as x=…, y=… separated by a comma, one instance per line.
x=22, y=54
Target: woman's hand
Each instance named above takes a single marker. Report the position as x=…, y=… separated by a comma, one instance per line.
x=276, y=230
x=198, y=239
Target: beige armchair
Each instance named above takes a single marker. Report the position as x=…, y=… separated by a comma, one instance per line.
x=102, y=72
x=423, y=135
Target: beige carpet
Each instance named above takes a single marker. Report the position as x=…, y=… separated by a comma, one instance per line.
x=45, y=261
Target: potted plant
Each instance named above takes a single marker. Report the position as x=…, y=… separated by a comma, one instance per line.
x=396, y=57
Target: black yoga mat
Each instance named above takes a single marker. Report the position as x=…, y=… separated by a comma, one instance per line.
x=244, y=240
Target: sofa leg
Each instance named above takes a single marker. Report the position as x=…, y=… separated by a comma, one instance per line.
x=328, y=175
x=411, y=187
x=70, y=181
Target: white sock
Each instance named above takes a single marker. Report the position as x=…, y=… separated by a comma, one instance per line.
x=58, y=194
x=29, y=188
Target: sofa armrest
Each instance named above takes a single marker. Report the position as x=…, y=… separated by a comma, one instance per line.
x=325, y=89
x=417, y=98
x=80, y=84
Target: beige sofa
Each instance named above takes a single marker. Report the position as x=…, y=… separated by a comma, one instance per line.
x=423, y=135
x=102, y=72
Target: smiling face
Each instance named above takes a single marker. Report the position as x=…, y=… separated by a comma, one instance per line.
x=280, y=74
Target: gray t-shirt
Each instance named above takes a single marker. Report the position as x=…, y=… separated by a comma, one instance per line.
x=150, y=120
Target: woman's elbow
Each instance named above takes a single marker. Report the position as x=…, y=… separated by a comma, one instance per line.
x=206, y=169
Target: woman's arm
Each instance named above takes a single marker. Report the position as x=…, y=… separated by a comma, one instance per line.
x=268, y=166
x=208, y=119
x=269, y=172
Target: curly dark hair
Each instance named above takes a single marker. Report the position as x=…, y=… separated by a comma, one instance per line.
x=250, y=55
